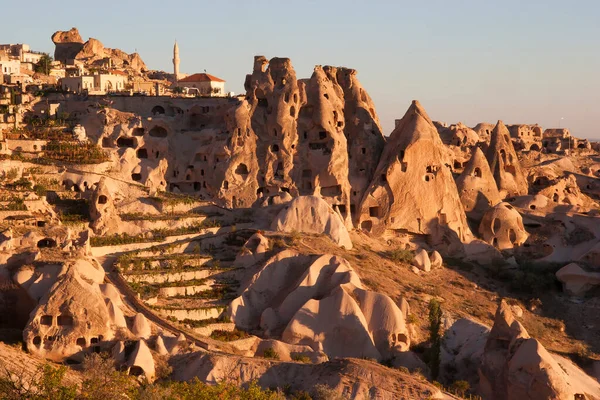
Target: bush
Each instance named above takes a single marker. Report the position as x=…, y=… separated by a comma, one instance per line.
x=271, y=353
x=299, y=357
x=228, y=336
x=460, y=387
x=400, y=255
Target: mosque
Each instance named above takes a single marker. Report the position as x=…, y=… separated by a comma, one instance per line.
x=202, y=83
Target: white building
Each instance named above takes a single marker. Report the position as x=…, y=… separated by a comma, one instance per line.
x=207, y=85
x=8, y=67
x=114, y=81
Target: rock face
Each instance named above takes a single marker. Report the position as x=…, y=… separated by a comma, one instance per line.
x=311, y=214
x=502, y=227
x=477, y=186
x=516, y=366
x=321, y=303
x=504, y=163
x=413, y=188
x=68, y=44
x=298, y=135
x=71, y=316
x=103, y=213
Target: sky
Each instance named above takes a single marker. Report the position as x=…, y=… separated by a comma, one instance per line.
x=526, y=61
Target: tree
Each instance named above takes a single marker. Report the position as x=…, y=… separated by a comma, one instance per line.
x=43, y=66
x=435, y=337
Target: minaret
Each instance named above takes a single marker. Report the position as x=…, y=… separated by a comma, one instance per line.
x=176, y=61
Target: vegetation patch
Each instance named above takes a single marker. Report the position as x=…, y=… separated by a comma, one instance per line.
x=228, y=336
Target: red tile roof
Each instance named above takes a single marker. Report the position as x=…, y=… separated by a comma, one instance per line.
x=202, y=77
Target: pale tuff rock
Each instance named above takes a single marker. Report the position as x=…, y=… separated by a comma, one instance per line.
x=297, y=136
x=566, y=192
x=70, y=46
x=302, y=296
x=71, y=316
x=502, y=227
x=436, y=260
x=253, y=251
x=141, y=327
x=421, y=261
x=311, y=214
x=515, y=366
x=504, y=163
x=103, y=213
x=477, y=186
x=141, y=362
x=576, y=281
x=458, y=135
x=413, y=188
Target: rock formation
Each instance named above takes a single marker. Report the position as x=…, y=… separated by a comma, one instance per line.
x=477, y=186
x=70, y=46
x=311, y=214
x=321, y=303
x=413, y=188
x=516, y=366
x=576, y=281
x=67, y=45
x=298, y=135
x=103, y=213
x=71, y=316
x=504, y=163
x=502, y=227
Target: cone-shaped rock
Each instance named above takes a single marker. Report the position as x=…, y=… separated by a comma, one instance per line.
x=413, y=188
x=504, y=163
x=477, y=186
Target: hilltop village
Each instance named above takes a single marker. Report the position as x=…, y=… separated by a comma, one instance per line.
x=280, y=240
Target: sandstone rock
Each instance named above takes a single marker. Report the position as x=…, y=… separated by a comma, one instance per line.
x=160, y=347
x=103, y=213
x=68, y=44
x=502, y=227
x=296, y=136
x=141, y=327
x=253, y=251
x=577, y=281
x=337, y=323
x=504, y=163
x=421, y=261
x=71, y=316
x=413, y=188
x=436, y=260
x=311, y=214
x=515, y=366
x=477, y=186
x=141, y=362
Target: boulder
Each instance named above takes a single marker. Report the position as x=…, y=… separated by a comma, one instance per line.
x=576, y=281
x=421, y=260
x=311, y=214
x=436, y=260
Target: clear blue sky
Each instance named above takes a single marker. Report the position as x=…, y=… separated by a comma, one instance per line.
x=521, y=61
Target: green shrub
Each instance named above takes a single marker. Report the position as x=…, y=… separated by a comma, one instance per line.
x=400, y=255
x=228, y=336
x=460, y=387
x=299, y=357
x=271, y=353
